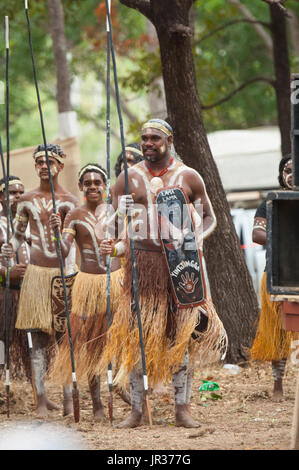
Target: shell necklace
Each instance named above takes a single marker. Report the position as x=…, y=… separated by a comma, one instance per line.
x=156, y=182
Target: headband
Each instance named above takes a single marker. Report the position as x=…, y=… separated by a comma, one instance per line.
x=158, y=124
x=91, y=167
x=10, y=183
x=42, y=153
x=134, y=150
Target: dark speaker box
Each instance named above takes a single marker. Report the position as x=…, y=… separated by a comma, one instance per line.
x=282, y=250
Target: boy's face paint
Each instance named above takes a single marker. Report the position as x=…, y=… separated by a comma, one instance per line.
x=41, y=167
x=93, y=186
x=15, y=192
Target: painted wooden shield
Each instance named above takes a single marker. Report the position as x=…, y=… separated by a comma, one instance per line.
x=58, y=303
x=179, y=246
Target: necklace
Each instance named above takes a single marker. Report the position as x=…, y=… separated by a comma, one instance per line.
x=156, y=182
x=162, y=172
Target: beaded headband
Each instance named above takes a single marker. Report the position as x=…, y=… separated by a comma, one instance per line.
x=42, y=153
x=91, y=167
x=10, y=183
x=133, y=149
x=158, y=124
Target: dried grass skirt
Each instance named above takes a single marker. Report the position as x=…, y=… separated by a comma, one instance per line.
x=88, y=325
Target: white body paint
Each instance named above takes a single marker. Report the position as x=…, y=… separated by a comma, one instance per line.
x=35, y=207
x=89, y=223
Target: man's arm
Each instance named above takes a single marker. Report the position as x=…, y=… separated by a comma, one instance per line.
x=21, y=223
x=259, y=234
x=68, y=232
x=202, y=204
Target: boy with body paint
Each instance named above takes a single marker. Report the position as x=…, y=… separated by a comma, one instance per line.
x=19, y=352
x=35, y=310
x=88, y=318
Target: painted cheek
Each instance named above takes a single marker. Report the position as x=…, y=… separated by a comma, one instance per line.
x=37, y=171
x=162, y=148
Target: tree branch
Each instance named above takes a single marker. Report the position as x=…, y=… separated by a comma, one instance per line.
x=143, y=6
x=230, y=23
x=259, y=28
x=278, y=3
x=241, y=87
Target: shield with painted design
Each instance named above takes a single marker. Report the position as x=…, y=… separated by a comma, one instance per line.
x=179, y=246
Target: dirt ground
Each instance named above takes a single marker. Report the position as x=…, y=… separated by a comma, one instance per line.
x=241, y=415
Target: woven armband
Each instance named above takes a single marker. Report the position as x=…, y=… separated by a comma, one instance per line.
x=69, y=230
x=122, y=216
x=114, y=252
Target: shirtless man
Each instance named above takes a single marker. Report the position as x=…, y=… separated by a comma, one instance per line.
x=19, y=353
x=272, y=342
x=88, y=318
x=158, y=170
x=34, y=312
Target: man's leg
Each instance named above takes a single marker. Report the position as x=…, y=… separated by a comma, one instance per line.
x=190, y=375
x=40, y=343
x=179, y=381
x=95, y=391
x=137, y=398
x=278, y=369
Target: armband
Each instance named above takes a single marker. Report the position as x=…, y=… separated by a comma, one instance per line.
x=69, y=230
x=114, y=252
x=120, y=215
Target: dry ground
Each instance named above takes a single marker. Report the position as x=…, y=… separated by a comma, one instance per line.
x=242, y=417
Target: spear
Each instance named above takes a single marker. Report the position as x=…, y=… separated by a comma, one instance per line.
x=130, y=231
x=108, y=259
x=7, y=285
x=75, y=387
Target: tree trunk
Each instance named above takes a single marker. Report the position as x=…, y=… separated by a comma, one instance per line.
x=231, y=284
x=60, y=55
x=282, y=75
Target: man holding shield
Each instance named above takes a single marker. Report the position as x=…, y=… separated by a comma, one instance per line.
x=167, y=324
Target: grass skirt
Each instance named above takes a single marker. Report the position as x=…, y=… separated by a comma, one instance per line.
x=272, y=342
x=35, y=309
x=166, y=330
x=209, y=344
x=88, y=325
x=18, y=344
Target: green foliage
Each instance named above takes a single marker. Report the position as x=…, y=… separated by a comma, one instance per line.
x=223, y=62
x=229, y=58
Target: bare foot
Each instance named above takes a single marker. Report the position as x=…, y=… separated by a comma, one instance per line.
x=183, y=418
x=41, y=407
x=277, y=396
x=99, y=415
x=51, y=405
x=132, y=421
x=68, y=406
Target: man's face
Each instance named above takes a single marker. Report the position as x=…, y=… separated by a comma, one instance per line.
x=15, y=192
x=41, y=167
x=287, y=175
x=154, y=144
x=93, y=186
x=130, y=160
